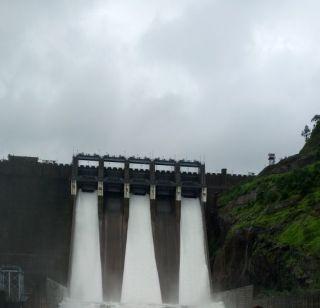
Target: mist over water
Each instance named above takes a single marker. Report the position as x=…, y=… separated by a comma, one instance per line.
x=194, y=278
x=140, y=277
x=86, y=277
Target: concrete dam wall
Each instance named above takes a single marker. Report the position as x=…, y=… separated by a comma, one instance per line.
x=37, y=209
x=140, y=223
x=166, y=234
x=35, y=221
x=114, y=238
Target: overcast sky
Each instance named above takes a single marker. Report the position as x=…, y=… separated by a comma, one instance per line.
x=218, y=80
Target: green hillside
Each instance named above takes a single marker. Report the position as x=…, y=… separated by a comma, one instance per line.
x=281, y=213
x=313, y=143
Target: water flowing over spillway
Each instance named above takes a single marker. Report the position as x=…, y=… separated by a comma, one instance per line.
x=194, y=274
x=86, y=281
x=140, y=278
x=140, y=284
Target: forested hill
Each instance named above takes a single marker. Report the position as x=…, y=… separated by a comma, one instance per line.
x=270, y=227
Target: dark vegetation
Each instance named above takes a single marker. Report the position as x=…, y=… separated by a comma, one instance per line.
x=273, y=234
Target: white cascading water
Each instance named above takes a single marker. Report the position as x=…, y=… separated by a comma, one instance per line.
x=86, y=277
x=141, y=285
x=194, y=278
x=140, y=277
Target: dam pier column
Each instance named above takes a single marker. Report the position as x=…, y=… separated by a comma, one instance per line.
x=153, y=192
x=101, y=218
x=203, y=201
x=74, y=177
x=100, y=188
x=177, y=172
x=116, y=196
x=126, y=190
x=73, y=191
x=203, y=184
x=165, y=204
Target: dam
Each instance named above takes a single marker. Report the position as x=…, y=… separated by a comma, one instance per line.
x=109, y=230
x=139, y=218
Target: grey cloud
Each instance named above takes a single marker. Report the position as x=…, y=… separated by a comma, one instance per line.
x=220, y=80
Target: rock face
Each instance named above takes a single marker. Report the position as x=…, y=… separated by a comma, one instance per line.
x=231, y=265
x=246, y=259
x=267, y=231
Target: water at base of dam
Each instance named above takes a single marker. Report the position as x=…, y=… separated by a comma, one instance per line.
x=141, y=287
x=75, y=304
x=194, y=281
x=140, y=277
x=86, y=276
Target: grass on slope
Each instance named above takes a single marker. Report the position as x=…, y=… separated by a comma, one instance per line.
x=303, y=233
x=287, y=205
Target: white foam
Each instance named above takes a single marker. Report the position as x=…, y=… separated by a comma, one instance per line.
x=140, y=278
x=86, y=277
x=194, y=283
x=141, y=286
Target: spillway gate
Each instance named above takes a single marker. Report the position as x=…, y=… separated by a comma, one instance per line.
x=166, y=181
x=139, y=181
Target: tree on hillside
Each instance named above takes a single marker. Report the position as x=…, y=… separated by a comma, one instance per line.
x=316, y=119
x=306, y=132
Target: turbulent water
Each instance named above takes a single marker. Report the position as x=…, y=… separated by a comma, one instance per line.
x=141, y=287
x=86, y=280
x=140, y=277
x=71, y=304
x=194, y=274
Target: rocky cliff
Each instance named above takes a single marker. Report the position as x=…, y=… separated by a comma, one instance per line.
x=267, y=230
